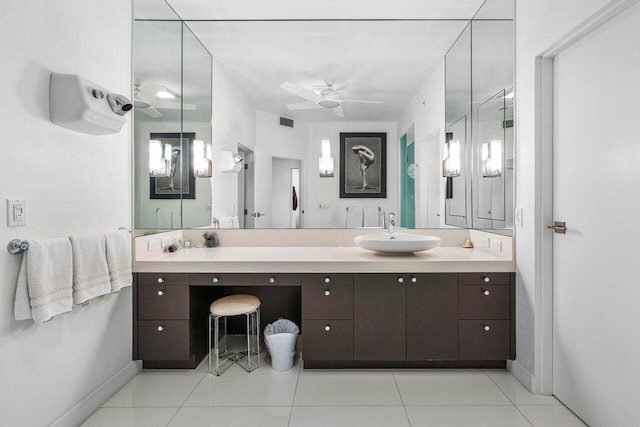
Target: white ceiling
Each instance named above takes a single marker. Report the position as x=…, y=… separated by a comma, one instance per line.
x=325, y=9
x=390, y=61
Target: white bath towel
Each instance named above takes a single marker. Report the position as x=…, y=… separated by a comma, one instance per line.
x=45, y=282
x=119, y=259
x=226, y=222
x=235, y=222
x=371, y=217
x=90, y=270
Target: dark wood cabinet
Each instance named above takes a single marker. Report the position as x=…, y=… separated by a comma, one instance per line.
x=379, y=317
x=432, y=317
x=347, y=320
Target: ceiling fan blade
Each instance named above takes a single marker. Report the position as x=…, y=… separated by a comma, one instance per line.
x=300, y=91
x=306, y=105
x=168, y=105
x=151, y=112
x=344, y=86
x=338, y=111
x=362, y=101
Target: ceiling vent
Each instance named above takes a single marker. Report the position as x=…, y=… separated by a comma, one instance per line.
x=286, y=122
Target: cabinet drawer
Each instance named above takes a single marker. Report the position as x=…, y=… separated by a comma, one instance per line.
x=245, y=279
x=485, y=339
x=163, y=302
x=485, y=278
x=485, y=302
x=164, y=340
x=166, y=279
x=336, y=343
x=327, y=301
x=334, y=279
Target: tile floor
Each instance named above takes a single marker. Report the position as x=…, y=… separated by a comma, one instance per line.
x=314, y=398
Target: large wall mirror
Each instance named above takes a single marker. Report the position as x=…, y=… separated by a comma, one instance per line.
x=323, y=123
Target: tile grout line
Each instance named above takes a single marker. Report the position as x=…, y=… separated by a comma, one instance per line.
x=295, y=390
x=404, y=407
x=187, y=398
x=509, y=399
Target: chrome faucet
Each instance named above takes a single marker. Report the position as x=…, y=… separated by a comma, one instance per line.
x=391, y=223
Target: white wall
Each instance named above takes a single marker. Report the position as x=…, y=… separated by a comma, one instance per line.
x=539, y=24
x=326, y=191
x=234, y=122
x=73, y=183
x=426, y=112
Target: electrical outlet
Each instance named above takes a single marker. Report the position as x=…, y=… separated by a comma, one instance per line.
x=153, y=244
x=518, y=217
x=166, y=241
x=484, y=241
x=496, y=245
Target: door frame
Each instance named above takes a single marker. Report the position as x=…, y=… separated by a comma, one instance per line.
x=544, y=70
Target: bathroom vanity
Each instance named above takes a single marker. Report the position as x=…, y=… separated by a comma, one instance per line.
x=449, y=307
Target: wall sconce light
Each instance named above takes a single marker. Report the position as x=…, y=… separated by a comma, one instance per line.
x=230, y=162
x=451, y=162
x=159, y=158
x=492, y=159
x=325, y=163
x=201, y=159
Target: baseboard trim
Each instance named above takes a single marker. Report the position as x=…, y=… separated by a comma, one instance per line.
x=521, y=373
x=94, y=400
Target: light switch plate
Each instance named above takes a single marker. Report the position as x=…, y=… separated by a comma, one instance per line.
x=484, y=241
x=518, y=217
x=153, y=244
x=166, y=241
x=16, y=213
x=496, y=244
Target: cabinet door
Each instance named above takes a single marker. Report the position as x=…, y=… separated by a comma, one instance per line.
x=432, y=317
x=379, y=317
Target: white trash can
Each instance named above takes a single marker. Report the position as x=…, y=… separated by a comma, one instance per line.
x=280, y=337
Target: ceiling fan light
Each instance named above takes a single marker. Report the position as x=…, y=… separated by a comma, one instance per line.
x=329, y=103
x=164, y=94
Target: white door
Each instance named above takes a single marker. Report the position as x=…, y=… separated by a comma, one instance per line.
x=596, y=297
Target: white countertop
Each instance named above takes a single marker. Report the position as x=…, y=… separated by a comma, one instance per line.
x=310, y=259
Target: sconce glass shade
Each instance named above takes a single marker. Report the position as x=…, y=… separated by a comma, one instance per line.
x=325, y=163
x=201, y=159
x=159, y=158
x=451, y=162
x=492, y=159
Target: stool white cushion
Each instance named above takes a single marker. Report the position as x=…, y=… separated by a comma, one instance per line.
x=234, y=305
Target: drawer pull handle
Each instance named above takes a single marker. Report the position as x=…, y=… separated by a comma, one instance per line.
x=414, y=280
x=486, y=328
x=216, y=280
x=327, y=328
x=486, y=279
x=160, y=280
x=485, y=292
x=327, y=292
x=327, y=280
x=272, y=280
x=160, y=293
x=400, y=280
x=160, y=328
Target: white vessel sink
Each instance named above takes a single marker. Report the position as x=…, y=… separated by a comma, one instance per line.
x=397, y=243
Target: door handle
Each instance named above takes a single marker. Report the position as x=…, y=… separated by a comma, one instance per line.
x=257, y=214
x=558, y=227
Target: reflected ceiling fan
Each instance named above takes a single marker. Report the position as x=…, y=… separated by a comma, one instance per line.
x=327, y=96
x=149, y=97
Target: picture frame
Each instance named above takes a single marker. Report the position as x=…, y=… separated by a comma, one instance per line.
x=363, y=165
x=182, y=182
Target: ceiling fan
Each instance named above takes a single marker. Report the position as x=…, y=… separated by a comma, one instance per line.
x=327, y=96
x=148, y=97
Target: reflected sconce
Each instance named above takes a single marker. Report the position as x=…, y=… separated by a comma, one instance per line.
x=159, y=158
x=201, y=159
x=230, y=162
x=492, y=159
x=325, y=163
x=451, y=162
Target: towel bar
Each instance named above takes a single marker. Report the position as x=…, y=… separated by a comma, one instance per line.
x=17, y=246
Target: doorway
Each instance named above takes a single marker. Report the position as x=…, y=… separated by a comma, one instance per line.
x=408, y=171
x=245, y=188
x=286, y=193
